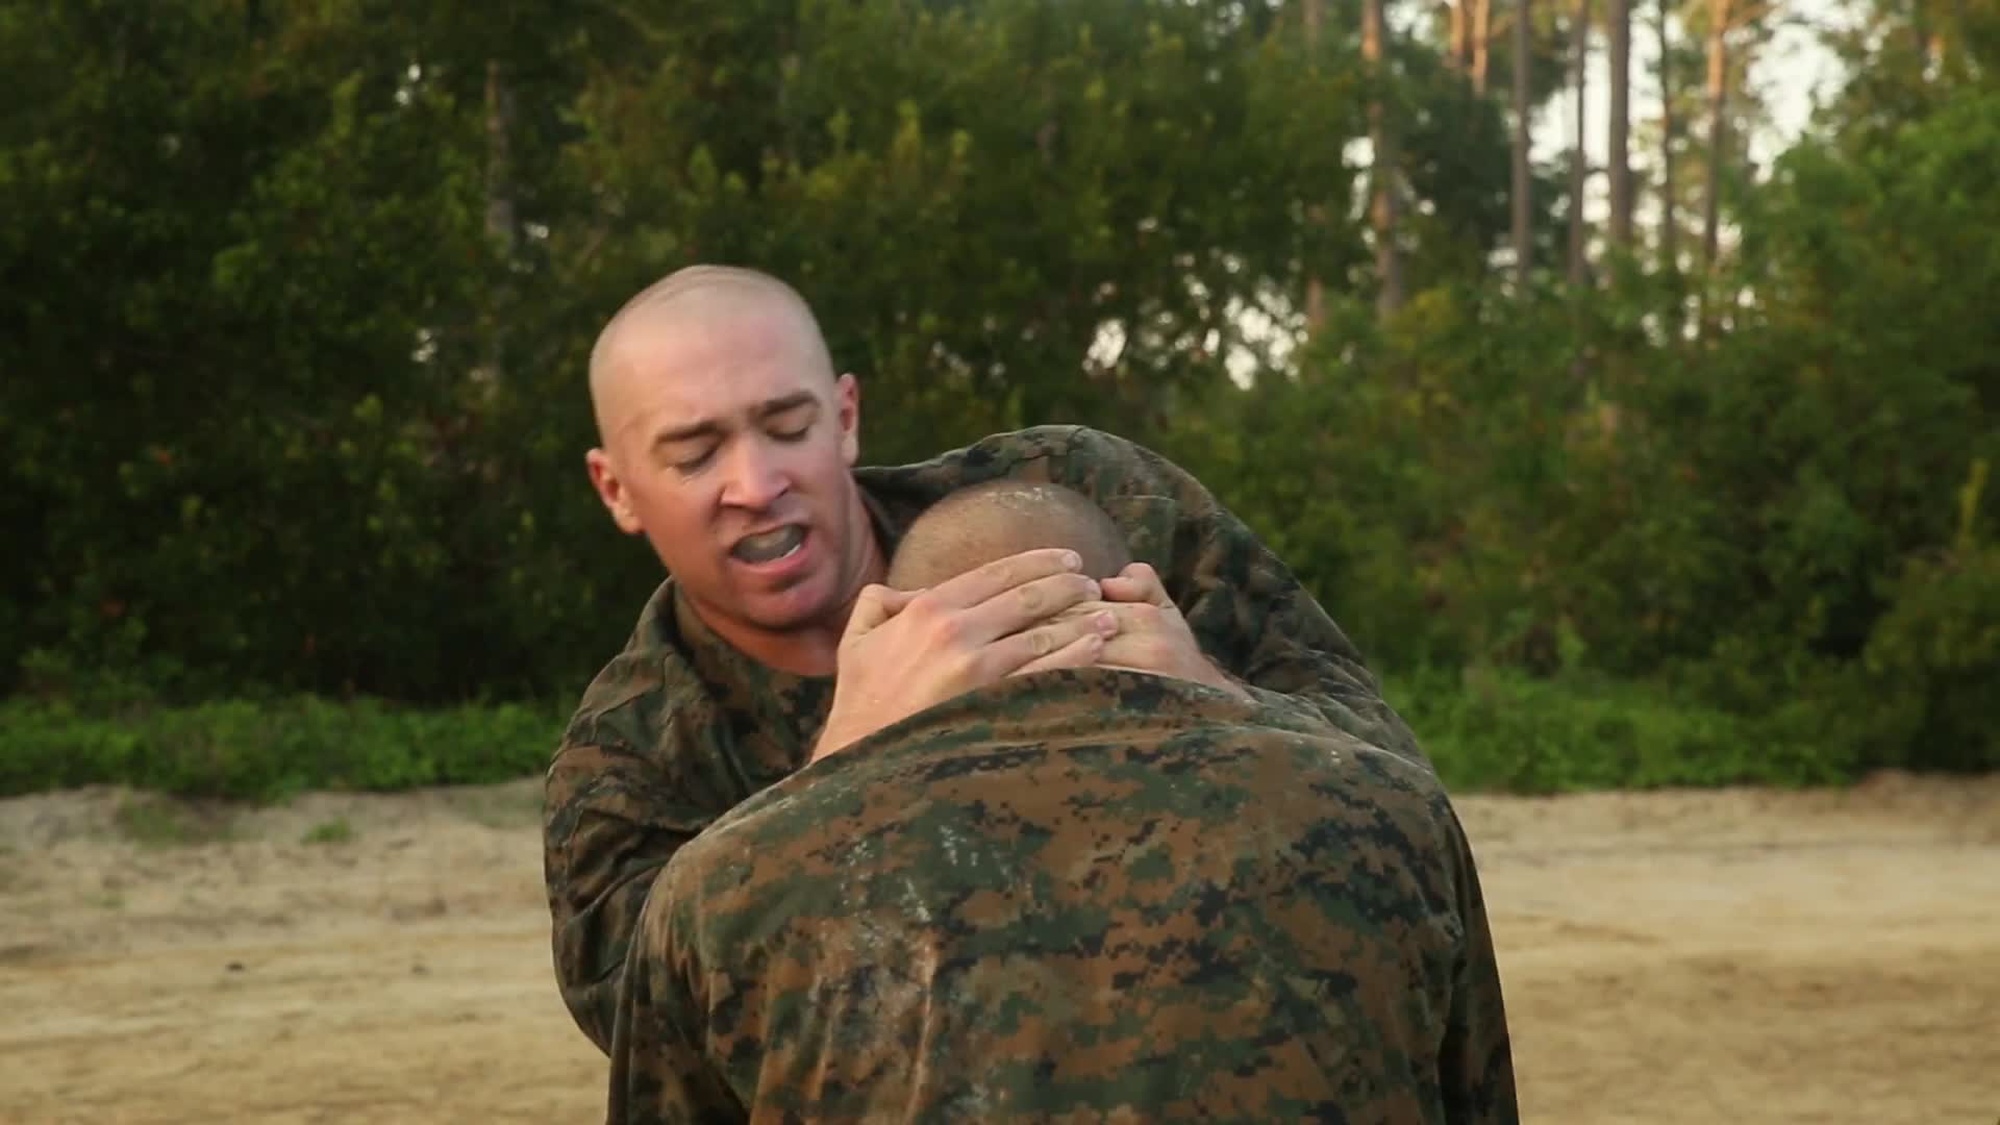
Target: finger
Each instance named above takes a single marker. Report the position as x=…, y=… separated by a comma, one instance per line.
x=1010, y=654
x=1080, y=653
x=1136, y=618
x=873, y=606
x=893, y=600
x=1036, y=603
x=1135, y=652
x=1137, y=583
x=982, y=584
x=1141, y=583
x=1089, y=606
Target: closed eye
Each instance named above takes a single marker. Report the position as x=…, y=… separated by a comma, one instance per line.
x=793, y=424
x=695, y=464
x=690, y=456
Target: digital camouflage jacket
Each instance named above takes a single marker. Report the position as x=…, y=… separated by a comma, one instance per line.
x=1076, y=896
x=678, y=728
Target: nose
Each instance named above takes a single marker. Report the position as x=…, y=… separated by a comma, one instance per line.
x=756, y=477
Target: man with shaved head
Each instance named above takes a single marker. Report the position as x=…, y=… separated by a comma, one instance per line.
x=1090, y=893
x=712, y=365
x=730, y=443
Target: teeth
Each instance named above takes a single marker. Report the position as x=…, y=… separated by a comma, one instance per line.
x=770, y=546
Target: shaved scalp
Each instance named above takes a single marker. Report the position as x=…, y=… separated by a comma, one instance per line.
x=700, y=293
x=977, y=525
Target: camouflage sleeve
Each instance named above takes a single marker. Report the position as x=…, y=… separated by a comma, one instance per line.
x=1246, y=608
x=1476, y=1061
x=612, y=817
x=660, y=1074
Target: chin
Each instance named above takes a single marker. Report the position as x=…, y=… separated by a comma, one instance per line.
x=795, y=610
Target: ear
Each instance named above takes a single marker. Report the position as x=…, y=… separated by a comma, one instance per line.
x=611, y=490
x=847, y=409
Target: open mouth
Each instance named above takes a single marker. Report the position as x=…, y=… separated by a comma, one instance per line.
x=770, y=546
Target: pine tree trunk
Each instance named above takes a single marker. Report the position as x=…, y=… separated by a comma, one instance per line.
x=1313, y=14
x=1579, y=167
x=1382, y=180
x=1619, y=14
x=1482, y=36
x=501, y=220
x=1718, y=124
x=1523, y=187
x=1670, y=223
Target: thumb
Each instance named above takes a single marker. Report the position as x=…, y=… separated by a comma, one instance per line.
x=874, y=605
x=1136, y=585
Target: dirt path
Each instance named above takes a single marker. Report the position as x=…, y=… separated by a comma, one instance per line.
x=1669, y=958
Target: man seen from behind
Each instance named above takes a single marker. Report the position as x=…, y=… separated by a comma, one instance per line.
x=1083, y=893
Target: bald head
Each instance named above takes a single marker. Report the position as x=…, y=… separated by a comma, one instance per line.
x=707, y=299
x=977, y=525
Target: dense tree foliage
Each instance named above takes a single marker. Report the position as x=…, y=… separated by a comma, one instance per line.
x=295, y=299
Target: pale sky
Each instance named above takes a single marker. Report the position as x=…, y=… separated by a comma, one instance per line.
x=1789, y=71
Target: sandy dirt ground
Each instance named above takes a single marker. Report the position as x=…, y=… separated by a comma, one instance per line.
x=1669, y=958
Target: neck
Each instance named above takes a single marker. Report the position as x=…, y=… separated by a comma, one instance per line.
x=812, y=650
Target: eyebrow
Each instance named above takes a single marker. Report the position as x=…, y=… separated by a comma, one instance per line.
x=709, y=428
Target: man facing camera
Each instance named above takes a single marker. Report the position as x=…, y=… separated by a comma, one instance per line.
x=1083, y=894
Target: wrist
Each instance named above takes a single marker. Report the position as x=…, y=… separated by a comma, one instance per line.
x=1217, y=678
x=831, y=739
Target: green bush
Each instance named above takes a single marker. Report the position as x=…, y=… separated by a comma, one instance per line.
x=260, y=751
x=1488, y=731
x=1936, y=655
x=1504, y=731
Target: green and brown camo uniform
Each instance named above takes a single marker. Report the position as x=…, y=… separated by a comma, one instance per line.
x=679, y=727
x=1087, y=895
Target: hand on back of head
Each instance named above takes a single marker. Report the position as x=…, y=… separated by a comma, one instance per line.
x=978, y=525
x=976, y=592
x=997, y=580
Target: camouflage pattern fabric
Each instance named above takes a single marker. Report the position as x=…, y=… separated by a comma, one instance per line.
x=1087, y=895
x=678, y=728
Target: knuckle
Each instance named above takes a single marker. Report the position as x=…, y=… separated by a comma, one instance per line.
x=1069, y=616
x=1042, y=642
x=947, y=629
x=1032, y=598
